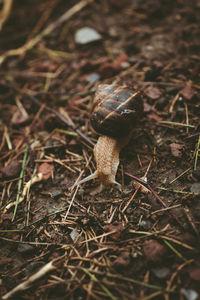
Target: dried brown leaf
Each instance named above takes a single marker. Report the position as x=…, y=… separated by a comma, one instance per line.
x=153, y=250
x=119, y=228
x=175, y=149
x=187, y=92
x=46, y=169
x=152, y=92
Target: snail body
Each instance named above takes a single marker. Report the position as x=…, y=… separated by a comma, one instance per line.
x=116, y=111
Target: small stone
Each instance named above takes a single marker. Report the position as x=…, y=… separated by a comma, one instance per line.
x=57, y=193
x=93, y=77
x=25, y=248
x=86, y=35
x=195, y=188
x=12, y=170
x=189, y=294
x=161, y=272
x=145, y=224
x=74, y=234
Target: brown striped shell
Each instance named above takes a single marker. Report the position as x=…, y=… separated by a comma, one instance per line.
x=116, y=111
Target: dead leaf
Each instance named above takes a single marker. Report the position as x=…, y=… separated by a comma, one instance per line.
x=187, y=92
x=119, y=228
x=154, y=116
x=19, y=118
x=153, y=250
x=175, y=149
x=141, y=187
x=122, y=60
x=152, y=92
x=123, y=260
x=195, y=273
x=46, y=170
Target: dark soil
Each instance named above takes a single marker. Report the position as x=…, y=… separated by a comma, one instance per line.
x=114, y=245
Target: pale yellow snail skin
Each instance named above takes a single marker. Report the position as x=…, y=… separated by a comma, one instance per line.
x=113, y=118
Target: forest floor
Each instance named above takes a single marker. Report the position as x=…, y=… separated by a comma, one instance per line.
x=63, y=244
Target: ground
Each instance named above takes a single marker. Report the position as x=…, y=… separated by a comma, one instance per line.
x=113, y=245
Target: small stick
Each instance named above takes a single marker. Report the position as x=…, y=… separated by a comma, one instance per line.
x=28, y=283
x=38, y=177
x=62, y=118
x=48, y=30
x=155, y=194
x=175, y=99
x=20, y=182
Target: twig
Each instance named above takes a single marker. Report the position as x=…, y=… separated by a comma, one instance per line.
x=5, y=12
x=183, y=173
x=178, y=191
x=48, y=30
x=173, y=102
x=20, y=182
x=27, y=186
x=155, y=194
x=62, y=118
x=104, y=288
x=27, y=284
x=175, y=250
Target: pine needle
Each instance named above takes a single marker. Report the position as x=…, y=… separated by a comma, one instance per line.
x=196, y=154
x=175, y=251
x=20, y=182
x=104, y=288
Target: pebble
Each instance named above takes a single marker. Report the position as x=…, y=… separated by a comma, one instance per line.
x=195, y=188
x=93, y=77
x=74, y=234
x=86, y=35
x=145, y=224
x=57, y=193
x=25, y=248
x=12, y=170
x=189, y=294
x=161, y=272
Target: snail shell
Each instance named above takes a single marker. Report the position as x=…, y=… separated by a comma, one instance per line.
x=117, y=109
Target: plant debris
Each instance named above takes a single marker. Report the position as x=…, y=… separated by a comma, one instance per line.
x=138, y=243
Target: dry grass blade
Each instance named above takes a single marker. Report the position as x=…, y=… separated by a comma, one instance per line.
x=196, y=154
x=5, y=12
x=27, y=284
x=155, y=194
x=48, y=30
x=20, y=182
x=104, y=288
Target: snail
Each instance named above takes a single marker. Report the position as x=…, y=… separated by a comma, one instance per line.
x=116, y=111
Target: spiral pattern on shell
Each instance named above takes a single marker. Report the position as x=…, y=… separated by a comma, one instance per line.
x=116, y=111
